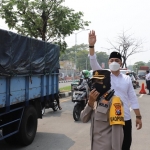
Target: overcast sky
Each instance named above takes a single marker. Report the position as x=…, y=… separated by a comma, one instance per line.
x=109, y=18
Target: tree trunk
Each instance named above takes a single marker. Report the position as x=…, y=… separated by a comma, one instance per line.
x=44, y=18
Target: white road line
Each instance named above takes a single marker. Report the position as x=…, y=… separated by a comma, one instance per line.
x=141, y=95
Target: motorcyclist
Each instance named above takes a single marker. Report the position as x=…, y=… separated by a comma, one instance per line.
x=84, y=81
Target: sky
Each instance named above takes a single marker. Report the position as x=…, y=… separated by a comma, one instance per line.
x=109, y=18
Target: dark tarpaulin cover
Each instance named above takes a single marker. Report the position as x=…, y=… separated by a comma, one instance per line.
x=20, y=55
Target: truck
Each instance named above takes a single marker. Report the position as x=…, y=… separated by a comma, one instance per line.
x=29, y=73
x=142, y=71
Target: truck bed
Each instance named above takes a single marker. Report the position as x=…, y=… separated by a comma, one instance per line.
x=18, y=89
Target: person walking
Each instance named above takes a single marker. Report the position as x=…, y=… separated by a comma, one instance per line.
x=123, y=88
x=147, y=77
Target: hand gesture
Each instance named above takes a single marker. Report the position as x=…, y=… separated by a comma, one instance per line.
x=92, y=38
x=92, y=97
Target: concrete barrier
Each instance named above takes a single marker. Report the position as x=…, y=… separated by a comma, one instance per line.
x=65, y=94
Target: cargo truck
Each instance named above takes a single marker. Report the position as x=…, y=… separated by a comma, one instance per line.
x=29, y=72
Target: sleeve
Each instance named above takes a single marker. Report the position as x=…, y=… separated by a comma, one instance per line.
x=94, y=63
x=86, y=114
x=132, y=96
x=148, y=78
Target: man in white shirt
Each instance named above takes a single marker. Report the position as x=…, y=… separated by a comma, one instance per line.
x=148, y=81
x=123, y=88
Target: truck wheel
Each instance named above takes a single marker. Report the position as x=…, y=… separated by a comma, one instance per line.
x=76, y=112
x=28, y=126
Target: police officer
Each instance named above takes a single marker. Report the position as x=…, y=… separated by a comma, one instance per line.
x=123, y=88
x=106, y=128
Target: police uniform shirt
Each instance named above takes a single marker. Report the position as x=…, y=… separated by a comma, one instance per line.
x=123, y=87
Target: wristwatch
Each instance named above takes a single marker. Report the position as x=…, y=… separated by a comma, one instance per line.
x=139, y=117
x=91, y=46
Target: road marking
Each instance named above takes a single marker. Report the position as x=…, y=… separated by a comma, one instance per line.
x=141, y=95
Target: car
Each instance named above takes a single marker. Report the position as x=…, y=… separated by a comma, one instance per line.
x=141, y=75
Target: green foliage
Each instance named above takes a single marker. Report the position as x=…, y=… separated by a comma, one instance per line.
x=80, y=54
x=102, y=57
x=44, y=19
x=66, y=88
x=83, y=60
x=148, y=64
x=138, y=64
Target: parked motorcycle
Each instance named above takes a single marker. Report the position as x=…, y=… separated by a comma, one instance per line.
x=80, y=98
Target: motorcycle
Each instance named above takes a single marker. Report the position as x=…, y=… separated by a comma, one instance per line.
x=80, y=98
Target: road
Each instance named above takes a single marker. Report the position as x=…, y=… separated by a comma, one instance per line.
x=58, y=130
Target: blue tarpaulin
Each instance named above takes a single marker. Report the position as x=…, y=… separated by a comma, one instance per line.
x=21, y=55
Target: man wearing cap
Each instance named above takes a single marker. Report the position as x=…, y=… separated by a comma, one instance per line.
x=123, y=87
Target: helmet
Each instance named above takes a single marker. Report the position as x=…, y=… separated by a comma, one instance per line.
x=85, y=73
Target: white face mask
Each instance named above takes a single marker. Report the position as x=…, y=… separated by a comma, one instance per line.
x=114, y=66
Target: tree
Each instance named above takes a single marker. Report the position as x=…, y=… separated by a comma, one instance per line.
x=82, y=61
x=127, y=46
x=137, y=65
x=44, y=19
x=70, y=53
x=148, y=64
x=102, y=57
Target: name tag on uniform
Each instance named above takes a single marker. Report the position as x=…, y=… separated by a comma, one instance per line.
x=103, y=105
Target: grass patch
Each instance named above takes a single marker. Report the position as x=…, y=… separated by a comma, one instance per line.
x=65, y=89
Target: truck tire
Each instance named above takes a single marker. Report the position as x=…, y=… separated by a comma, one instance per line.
x=28, y=126
x=76, y=112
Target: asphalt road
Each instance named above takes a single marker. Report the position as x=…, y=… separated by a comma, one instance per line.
x=58, y=130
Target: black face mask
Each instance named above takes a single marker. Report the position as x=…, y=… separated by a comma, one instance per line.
x=101, y=88
x=106, y=83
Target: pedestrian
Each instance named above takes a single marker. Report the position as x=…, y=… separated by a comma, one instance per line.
x=106, y=114
x=123, y=88
x=147, y=77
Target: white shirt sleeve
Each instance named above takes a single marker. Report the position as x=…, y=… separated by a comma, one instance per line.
x=132, y=96
x=148, y=77
x=93, y=62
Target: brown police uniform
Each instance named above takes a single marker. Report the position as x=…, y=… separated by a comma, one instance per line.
x=103, y=135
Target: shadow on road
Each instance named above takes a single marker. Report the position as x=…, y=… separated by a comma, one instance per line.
x=43, y=141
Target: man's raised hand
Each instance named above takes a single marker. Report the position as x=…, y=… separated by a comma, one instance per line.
x=92, y=38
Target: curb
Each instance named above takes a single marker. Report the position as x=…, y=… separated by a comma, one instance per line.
x=65, y=94
x=64, y=81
